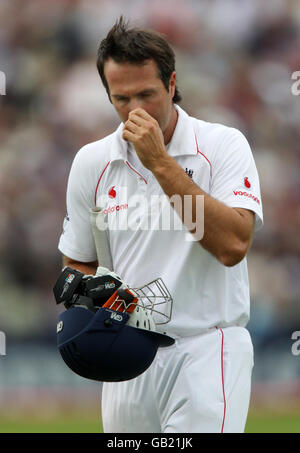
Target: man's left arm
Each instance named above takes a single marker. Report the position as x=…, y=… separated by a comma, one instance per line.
x=227, y=231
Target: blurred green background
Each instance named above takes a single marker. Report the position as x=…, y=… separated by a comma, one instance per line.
x=263, y=420
x=235, y=61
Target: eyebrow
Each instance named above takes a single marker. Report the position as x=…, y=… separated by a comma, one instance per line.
x=147, y=91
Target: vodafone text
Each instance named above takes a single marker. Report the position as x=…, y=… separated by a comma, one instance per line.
x=246, y=194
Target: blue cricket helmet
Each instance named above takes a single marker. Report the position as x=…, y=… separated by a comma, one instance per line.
x=101, y=346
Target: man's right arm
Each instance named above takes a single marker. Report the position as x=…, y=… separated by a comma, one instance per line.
x=77, y=238
x=85, y=268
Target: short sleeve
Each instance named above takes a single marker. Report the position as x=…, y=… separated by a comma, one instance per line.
x=235, y=179
x=76, y=240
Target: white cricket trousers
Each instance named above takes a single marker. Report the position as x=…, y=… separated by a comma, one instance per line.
x=201, y=384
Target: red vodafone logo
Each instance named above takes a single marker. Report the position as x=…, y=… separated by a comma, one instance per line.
x=247, y=182
x=112, y=193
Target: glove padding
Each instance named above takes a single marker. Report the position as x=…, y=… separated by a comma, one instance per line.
x=72, y=283
x=102, y=286
x=68, y=283
x=106, y=289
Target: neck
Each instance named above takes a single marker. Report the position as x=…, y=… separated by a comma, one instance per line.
x=168, y=133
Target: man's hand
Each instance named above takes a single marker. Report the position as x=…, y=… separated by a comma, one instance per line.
x=145, y=134
x=74, y=287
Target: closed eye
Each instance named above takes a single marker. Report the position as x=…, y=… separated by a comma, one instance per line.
x=145, y=94
x=121, y=98
x=141, y=95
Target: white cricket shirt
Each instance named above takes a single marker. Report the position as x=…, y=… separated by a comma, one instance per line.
x=218, y=158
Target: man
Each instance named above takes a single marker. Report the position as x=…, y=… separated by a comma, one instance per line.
x=202, y=382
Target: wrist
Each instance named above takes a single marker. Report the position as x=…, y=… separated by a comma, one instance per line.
x=163, y=166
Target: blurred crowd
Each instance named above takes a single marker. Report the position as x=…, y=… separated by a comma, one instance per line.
x=235, y=60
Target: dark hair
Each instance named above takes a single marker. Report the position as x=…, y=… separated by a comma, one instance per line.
x=135, y=45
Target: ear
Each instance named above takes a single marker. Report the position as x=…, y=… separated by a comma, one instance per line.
x=172, y=84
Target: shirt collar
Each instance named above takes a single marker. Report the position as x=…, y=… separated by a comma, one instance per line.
x=183, y=141
x=119, y=145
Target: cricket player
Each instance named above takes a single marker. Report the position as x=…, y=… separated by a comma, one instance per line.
x=157, y=156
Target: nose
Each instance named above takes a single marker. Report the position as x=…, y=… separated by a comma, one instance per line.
x=135, y=104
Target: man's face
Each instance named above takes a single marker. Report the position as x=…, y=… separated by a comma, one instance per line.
x=134, y=86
